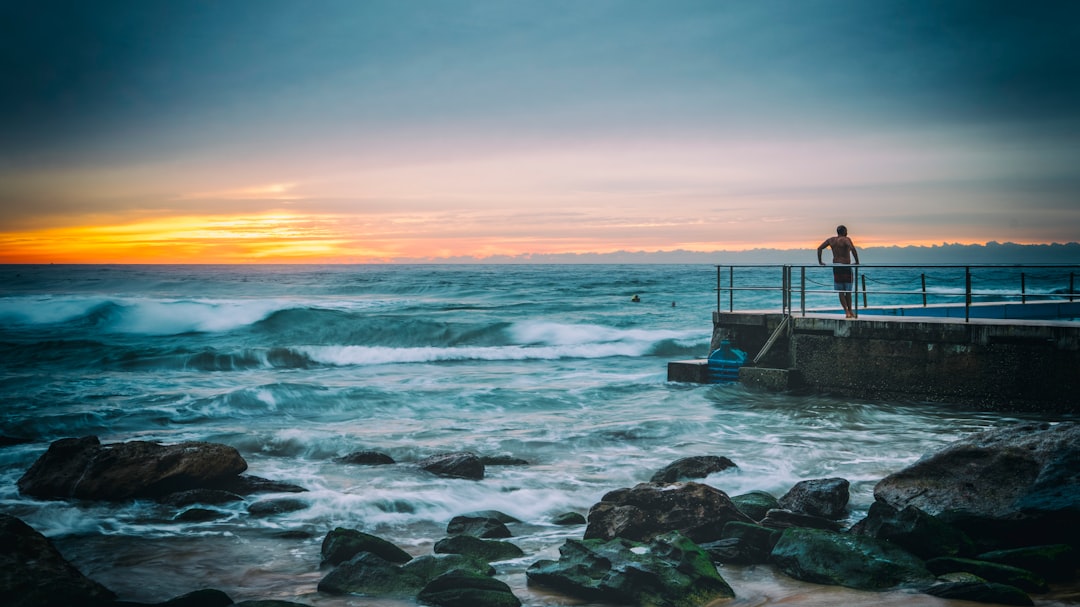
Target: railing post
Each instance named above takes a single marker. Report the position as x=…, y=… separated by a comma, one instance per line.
x=718, y=290
x=802, y=289
x=967, y=293
x=731, y=288
x=1072, y=290
x=1023, y=288
x=785, y=281
x=924, y=289
x=863, y=290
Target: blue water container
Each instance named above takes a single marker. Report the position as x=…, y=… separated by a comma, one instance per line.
x=724, y=363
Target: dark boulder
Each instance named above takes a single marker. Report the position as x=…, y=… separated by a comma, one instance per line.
x=272, y=507
x=919, y=533
x=743, y=544
x=211, y=497
x=482, y=550
x=34, y=574
x=207, y=597
x=785, y=519
x=822, y=497
x=459, y=588
x=698, y=466
x=199, y=515
x=454, y=465
x=978, y=590
x=478, y=526
x=502, y=460
x=669, y=571
x=991, y=572
x=246, y=484
x=1055, y=562
x=854, y=561
x=83, y=468
x=10, y=441
x=365, y=458
x=756, y=504
x=1009, y=487
x=268, y=603
x=342, y=544
x=502, y=517
x=646, y=510
x=369, y=574
x=567, y=519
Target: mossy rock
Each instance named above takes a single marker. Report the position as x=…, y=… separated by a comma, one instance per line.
x=668, y=571
x=479, y=549
x=992, y=572
x=755, y=504
x=840, y=559
x=342, y=544
x=459, y=588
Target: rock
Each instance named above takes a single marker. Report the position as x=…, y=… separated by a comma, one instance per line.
x=246, y=484
x=1009, y=487
x=370, y=574
x=281, y=505
x=458, y=588
x=743, y=544
x=83, y=468
x=477, y=526
x=919, y=533
x=502, y=517
x=784, y=519
x=1055, y=563
x=569, y=518
x=429, y=567
x=208, y=597
x=822, y=497
x=482, y=550
x=698, y=466
x=199, y=515
x=756, y=504
x=343, y=544
x=991, y=572
x=34, y=574
x=669, y=571
x=10, y=441
x=980, y=591
x=268, y=603
x=212, y=497
x=826, y=557
x=642, y=512
x=502, y=460
x=454, y=465
x=365, y=458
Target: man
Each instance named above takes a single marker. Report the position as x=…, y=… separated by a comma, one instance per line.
x=842, y=252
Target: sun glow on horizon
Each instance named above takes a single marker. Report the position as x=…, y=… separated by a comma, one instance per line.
x=285, y=237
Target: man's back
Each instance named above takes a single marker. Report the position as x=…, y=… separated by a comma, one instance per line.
x=841, y=249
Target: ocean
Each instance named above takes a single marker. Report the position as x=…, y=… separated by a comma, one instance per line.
x=296, y=365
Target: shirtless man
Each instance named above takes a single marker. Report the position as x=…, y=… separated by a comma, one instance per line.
x=842, y=252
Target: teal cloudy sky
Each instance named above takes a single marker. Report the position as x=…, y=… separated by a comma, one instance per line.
x=370, y=129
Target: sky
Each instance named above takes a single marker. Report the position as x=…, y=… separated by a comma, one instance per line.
x=355, y=131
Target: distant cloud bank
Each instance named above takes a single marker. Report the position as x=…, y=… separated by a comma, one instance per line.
x=991, y=252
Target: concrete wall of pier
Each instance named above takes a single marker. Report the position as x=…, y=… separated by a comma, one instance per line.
x=999, y=365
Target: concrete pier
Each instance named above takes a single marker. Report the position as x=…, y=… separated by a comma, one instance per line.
x=1005, y=365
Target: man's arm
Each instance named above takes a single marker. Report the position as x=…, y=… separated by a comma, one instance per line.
x=854, y=253
x=819, y=250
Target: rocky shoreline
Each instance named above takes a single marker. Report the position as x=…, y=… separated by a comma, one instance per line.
x=991, y=518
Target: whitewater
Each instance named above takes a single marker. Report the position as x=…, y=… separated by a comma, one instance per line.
x=296, y=366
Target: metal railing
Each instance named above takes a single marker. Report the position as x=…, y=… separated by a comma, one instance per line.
x=763, y=286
